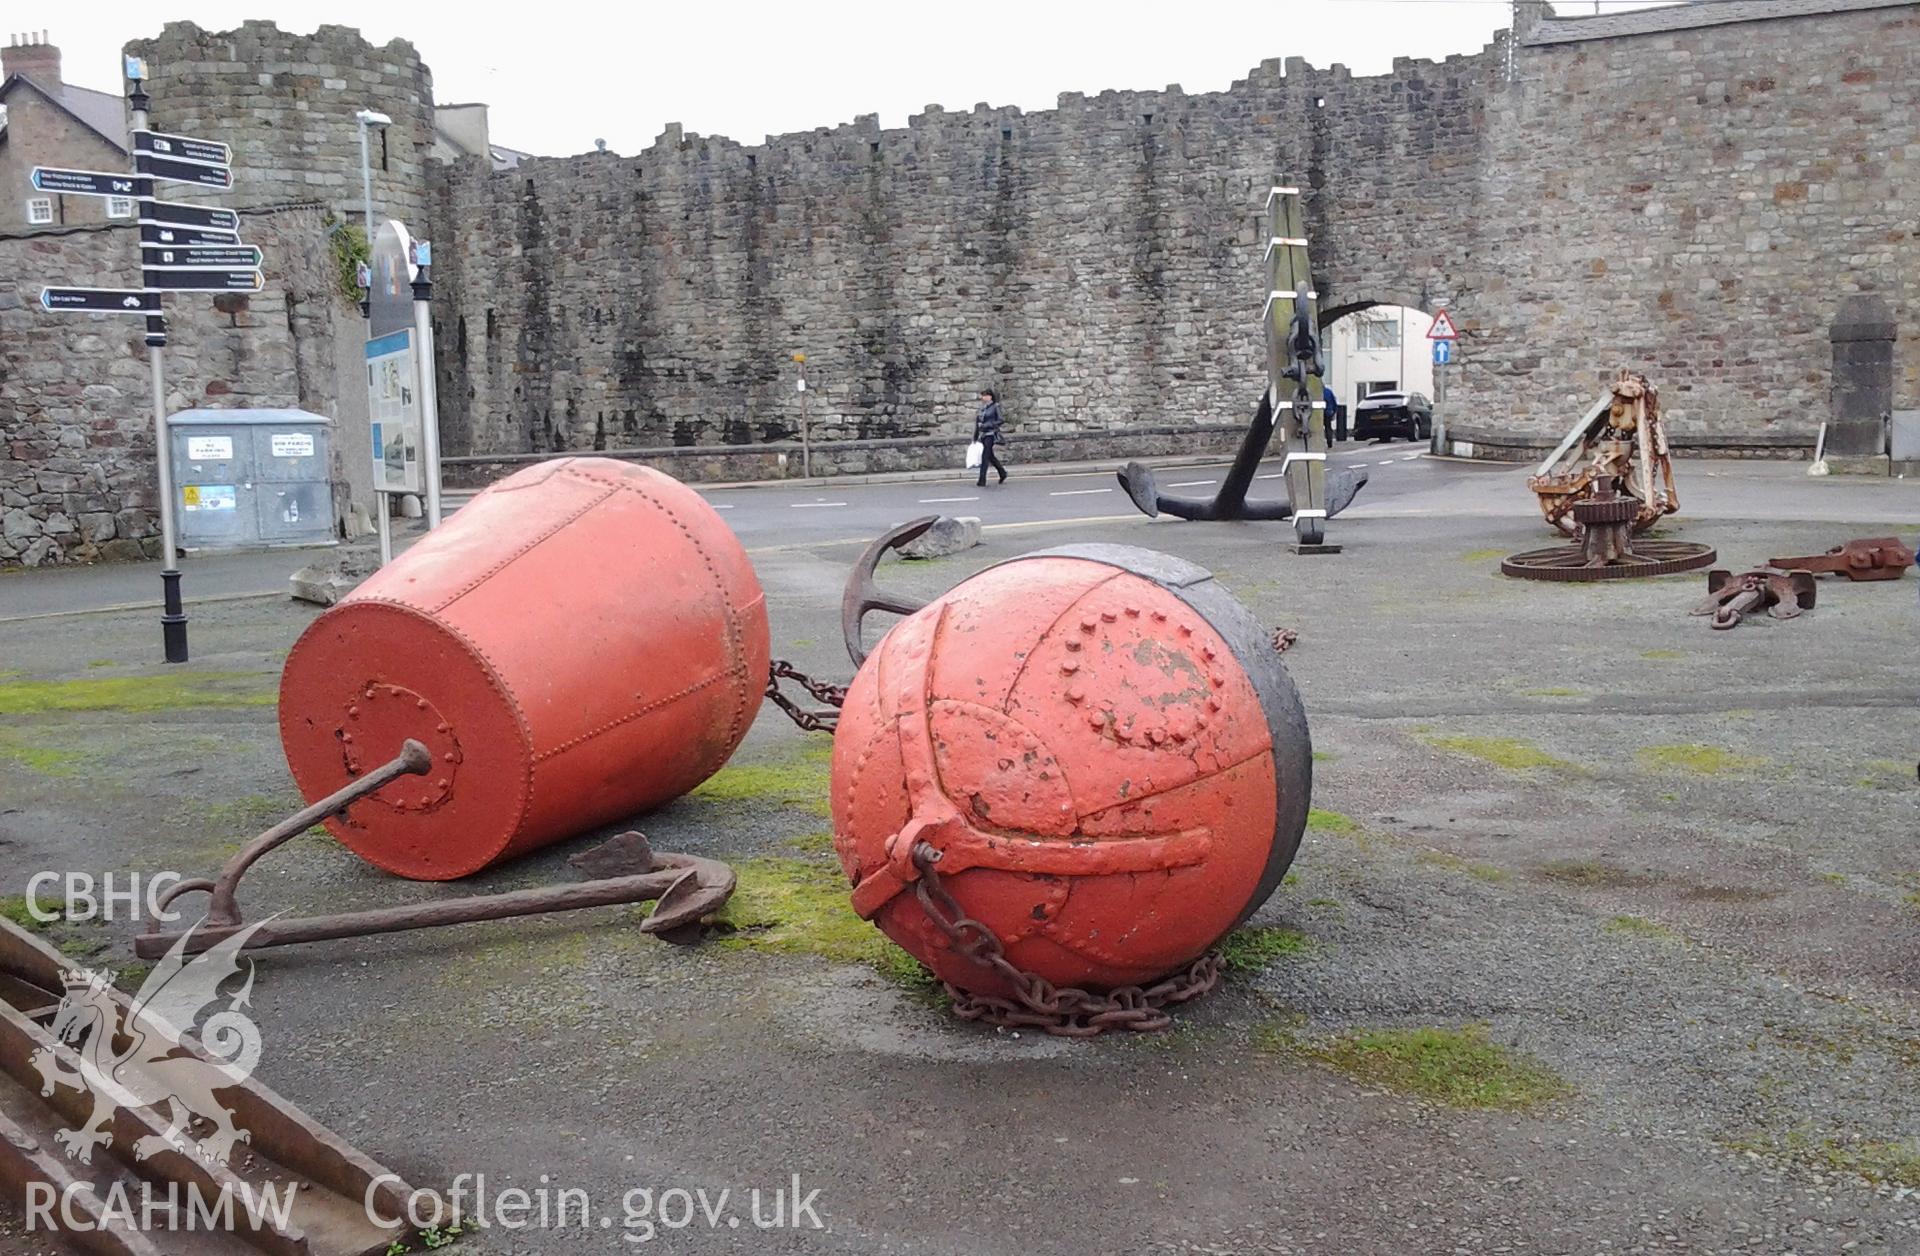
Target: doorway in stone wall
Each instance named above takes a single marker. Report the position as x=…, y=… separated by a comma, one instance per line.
x=1373, y=347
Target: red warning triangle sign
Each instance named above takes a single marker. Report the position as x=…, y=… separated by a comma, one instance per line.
x=1443, y=328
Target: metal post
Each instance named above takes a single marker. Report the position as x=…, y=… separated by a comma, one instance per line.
x=173, y=614
x=429, y=399
x=806, y=438
x=366, y=184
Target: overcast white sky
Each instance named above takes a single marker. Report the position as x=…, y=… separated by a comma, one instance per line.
x=560, y=74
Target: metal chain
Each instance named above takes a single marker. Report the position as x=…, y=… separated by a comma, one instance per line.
x=1066, y=1011
x=835, y=696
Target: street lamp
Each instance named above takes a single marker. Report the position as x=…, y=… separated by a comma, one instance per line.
x=368, y=118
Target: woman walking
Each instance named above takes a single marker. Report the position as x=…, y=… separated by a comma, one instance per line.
x=986, y=430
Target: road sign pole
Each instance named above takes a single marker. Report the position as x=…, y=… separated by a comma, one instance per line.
x=173, y=614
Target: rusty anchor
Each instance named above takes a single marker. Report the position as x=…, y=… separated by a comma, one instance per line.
x=863, y=596
x=1863, y=558
x=1781, y=594
x=625, y=870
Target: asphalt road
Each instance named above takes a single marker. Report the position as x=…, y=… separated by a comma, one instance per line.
x=774, y=515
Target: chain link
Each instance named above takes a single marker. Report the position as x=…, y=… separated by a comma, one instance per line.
x=1066, y=1011
x=835, y=696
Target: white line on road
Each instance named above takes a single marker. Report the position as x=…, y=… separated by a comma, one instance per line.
x=928, y=501
x=1192, y=483
x=721, y=505
x=1360, y=464
x=1409, y=457
x=1078, y=492
x=811, y=505
x=1274, y=475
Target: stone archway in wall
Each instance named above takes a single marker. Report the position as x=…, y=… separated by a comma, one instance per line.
x=1377, y=343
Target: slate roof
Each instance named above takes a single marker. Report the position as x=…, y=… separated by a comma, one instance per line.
x=100, y=112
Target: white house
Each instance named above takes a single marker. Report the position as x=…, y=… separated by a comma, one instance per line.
x=1381, y=349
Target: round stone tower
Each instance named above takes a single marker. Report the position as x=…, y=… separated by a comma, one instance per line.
x=287, y=104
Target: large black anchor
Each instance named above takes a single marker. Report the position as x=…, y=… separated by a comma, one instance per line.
x=1230, y=501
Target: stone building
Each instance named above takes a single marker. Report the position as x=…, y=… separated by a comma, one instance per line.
x=45, y=121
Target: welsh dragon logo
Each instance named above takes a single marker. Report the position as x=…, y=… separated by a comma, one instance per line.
x=139, y=1062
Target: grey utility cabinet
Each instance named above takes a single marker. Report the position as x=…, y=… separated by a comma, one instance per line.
x=245, y=479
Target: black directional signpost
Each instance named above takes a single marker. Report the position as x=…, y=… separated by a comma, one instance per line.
x=183, y=248
x=194, y=172
x=185, y=147
x=235, y=256
x=100, y=300
x=89, y=183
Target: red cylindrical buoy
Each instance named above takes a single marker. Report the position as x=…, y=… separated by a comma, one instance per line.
x=583, y=640
x=1103, y=748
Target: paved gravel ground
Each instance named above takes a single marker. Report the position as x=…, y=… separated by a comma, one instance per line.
x=1676, y=867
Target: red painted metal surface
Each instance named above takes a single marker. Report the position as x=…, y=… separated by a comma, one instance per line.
x=584, y=640
x=1092, y=761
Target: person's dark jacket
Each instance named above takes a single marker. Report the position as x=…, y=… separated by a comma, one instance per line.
x=986, y=425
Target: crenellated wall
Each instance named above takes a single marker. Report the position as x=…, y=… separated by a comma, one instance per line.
x=287, y=105
x=1691, y=202
x=1098, y=263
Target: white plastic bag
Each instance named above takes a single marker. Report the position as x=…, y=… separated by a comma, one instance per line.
x=975, y=452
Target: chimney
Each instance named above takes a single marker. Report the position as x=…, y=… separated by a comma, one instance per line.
x=30, y=54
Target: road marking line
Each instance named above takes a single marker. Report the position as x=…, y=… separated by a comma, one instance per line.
x=928, y=501
x=812, y=505
x=1279, y=474
x=721, y=506
x=1192, y=483
x=1409, y=457
x=1362, y=464
x=1077, y=492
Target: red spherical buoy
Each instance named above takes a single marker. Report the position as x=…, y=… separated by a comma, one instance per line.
x=583, y=640
x=1102, y=747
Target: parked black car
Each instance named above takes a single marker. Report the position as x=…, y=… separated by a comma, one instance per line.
x=1385, y=415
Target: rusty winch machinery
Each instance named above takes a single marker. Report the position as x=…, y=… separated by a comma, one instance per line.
x=1604, y=486
x=1058, y=785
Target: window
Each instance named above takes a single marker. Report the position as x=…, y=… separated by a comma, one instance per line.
x=119, y=207
x=383, y=148
x=40, y=209
x=1379, y=334
x=1379, y=386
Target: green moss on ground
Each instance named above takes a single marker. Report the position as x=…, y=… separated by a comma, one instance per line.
x=813, y=843
x=1453, y=863
x=1641, y=927
x=1887, y=774
x=801, y=778
x=1556, y=692
x=1588, y=873
x=1663, y=656
x=41, y=760
x=1330, y=821
x=1892, y=1162
x=163, y=692
x=1251, y=948
x=1698, y=759
x=1504, y=752
x=1324, y=756
x=800, y=907
x=1460, y=1067
x=1483, y=556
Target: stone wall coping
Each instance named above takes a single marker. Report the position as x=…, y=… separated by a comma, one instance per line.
x=1580, y=28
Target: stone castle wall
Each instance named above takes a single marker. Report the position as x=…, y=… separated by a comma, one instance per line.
x=286, y=104
x=77, y=479
x=1692, y=203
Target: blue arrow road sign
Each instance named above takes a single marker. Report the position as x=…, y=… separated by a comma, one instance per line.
x=1442, y=352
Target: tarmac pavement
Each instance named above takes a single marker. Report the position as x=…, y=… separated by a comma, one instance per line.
x=1673, y=867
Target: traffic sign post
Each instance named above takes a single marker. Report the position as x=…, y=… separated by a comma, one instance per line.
x=183, y=248
x=1443, y=334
